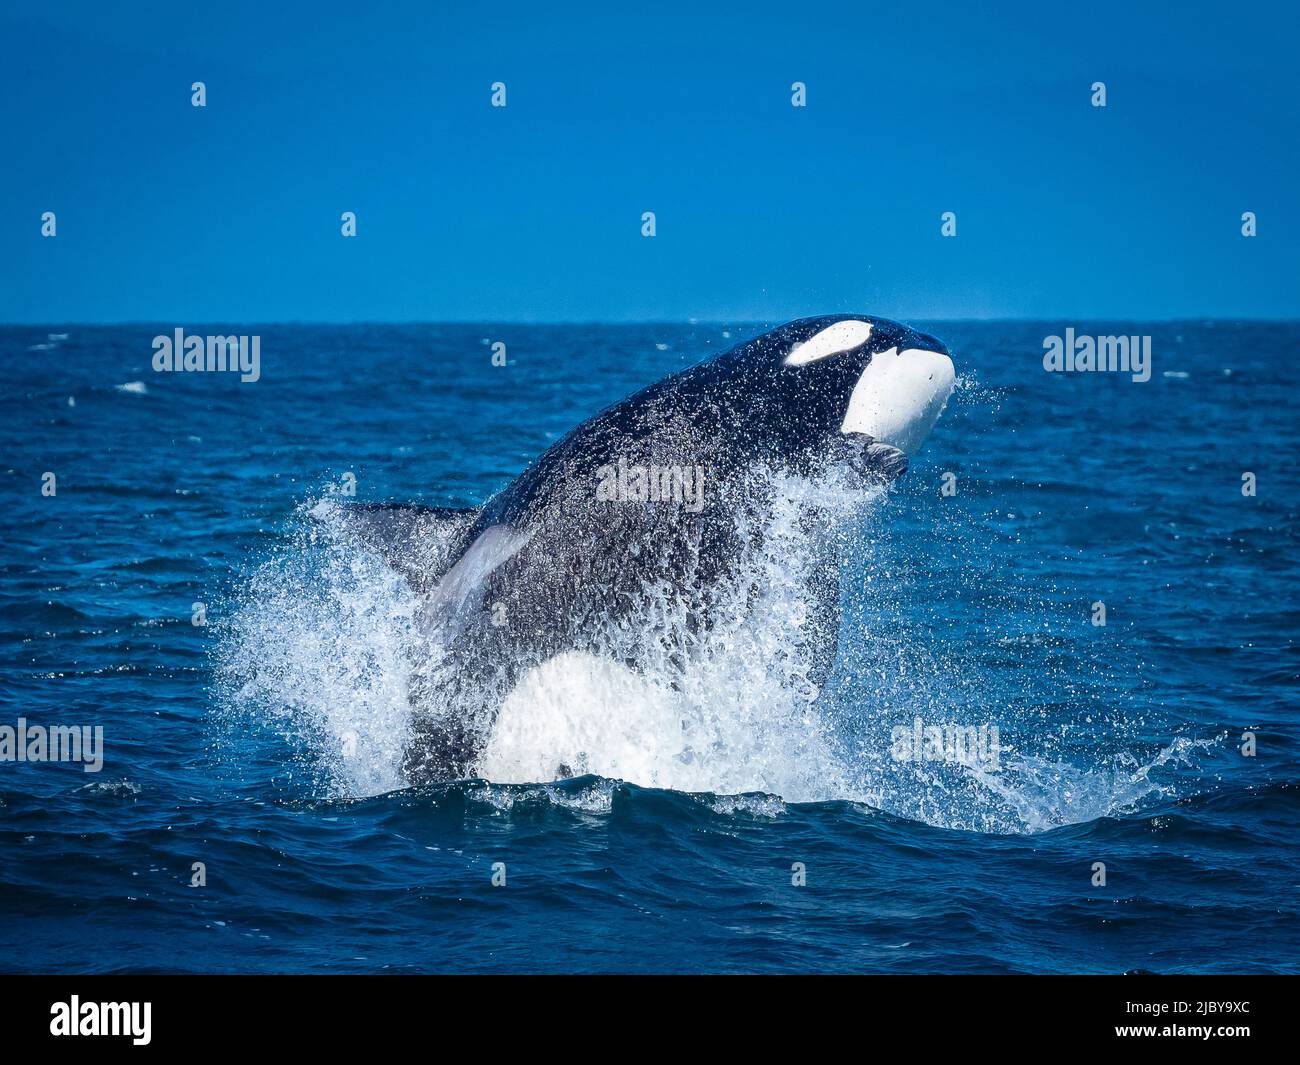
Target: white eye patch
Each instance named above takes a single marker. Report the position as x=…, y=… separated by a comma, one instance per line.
x=833, y=340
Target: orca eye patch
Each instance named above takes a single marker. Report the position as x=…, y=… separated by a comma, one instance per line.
x=833, y=340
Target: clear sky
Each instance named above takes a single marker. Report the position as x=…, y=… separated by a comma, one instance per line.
x=532, y=212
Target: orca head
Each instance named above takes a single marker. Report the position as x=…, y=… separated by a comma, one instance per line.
x=852, y=387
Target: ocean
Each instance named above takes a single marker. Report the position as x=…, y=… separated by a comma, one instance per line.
x=1134, y=805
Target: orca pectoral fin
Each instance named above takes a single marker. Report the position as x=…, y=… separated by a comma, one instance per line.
x=874, y=461
x=417, y=542
x=886, y=460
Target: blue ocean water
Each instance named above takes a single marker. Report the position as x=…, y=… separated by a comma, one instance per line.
x=1119, y=744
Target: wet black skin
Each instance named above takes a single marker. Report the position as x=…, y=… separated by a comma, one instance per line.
x=742, y=406
x=588, y=561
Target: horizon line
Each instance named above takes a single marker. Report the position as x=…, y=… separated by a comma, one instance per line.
x=726, y=322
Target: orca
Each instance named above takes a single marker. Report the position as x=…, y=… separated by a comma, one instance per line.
x=647, y=509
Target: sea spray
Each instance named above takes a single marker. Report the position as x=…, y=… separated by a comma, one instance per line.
x=327, y=648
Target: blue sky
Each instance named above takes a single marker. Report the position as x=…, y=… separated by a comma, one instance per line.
x=168, y=212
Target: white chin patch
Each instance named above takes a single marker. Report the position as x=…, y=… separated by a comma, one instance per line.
x=833, y=340
x=899, y=397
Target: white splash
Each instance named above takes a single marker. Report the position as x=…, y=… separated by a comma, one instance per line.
x=326, y=647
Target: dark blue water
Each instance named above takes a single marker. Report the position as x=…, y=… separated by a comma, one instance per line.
x=1120, y=744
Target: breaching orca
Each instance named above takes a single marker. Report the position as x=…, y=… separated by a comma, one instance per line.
x=646, y=510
